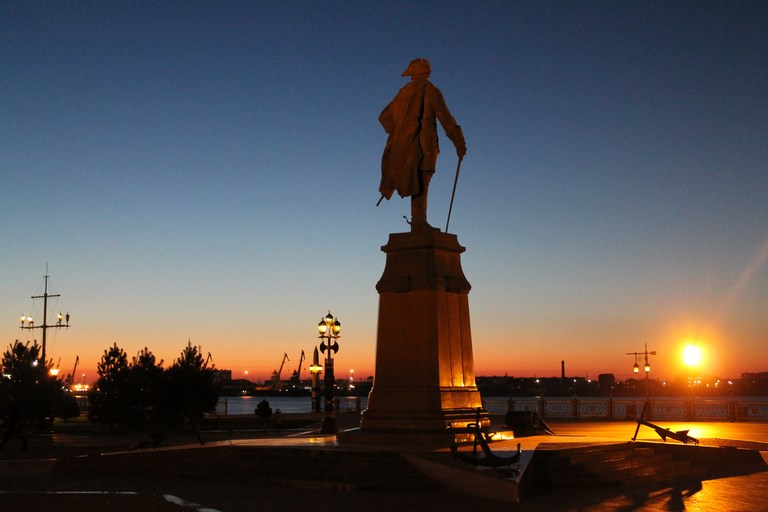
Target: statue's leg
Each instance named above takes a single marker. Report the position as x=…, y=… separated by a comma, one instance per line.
x=419, y=202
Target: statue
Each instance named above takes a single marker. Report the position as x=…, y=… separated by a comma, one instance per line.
x=411, y=152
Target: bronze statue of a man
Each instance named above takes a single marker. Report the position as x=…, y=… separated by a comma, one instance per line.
x=409, y=158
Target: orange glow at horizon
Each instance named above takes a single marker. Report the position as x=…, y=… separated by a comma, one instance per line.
x=532, y=352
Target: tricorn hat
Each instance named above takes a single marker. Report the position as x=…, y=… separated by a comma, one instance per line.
x=417, y=67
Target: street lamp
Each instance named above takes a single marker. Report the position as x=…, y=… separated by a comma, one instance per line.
x=315, y=369
x=329, y=329
x=647, y=369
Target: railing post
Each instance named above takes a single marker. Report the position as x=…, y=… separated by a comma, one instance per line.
x=689, y=409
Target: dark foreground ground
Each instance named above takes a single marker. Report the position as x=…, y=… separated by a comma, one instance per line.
x=54, y=475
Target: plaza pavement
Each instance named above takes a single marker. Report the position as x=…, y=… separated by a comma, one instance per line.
x=29, y=481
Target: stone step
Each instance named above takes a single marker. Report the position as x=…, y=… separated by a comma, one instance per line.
x=633, y=464
x=614, y=459
x=612, y=455
x=650, y=460
x=620, y=464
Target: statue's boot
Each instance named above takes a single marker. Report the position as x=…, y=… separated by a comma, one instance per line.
x=419, y=205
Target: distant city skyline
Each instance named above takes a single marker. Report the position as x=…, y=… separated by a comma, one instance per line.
x=209, y=172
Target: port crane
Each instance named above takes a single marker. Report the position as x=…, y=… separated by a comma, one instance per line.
x=298, y=370
x=295, y=379
x=276, y=374
x=71, y=377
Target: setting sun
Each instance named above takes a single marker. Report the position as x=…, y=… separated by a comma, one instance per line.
x=692, y=355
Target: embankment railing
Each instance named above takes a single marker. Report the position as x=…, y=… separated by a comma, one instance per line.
x=662, y=408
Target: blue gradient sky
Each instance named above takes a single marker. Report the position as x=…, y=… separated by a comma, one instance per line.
x=209, y=170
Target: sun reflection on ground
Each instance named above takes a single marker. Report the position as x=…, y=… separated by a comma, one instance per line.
x=698, y=430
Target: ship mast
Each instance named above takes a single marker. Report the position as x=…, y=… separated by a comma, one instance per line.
x=62, y=321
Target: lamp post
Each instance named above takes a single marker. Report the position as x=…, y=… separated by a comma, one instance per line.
x=315, y=369
x=329, y=328
x=647, y=369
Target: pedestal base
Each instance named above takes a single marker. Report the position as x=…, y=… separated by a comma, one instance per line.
x=424, y=380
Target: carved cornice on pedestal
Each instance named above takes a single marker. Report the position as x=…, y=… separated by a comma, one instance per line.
x=427, y=260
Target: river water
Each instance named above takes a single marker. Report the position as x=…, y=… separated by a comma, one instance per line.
x=287, y=404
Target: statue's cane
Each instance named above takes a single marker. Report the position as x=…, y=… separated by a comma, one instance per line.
x=455, y=181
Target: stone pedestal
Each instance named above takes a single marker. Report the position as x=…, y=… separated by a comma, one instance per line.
x=424, y=379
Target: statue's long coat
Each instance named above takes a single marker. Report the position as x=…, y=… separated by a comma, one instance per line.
x=409, y=119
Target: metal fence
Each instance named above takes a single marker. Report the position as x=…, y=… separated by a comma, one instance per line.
x=350, y=403
x=672, y=408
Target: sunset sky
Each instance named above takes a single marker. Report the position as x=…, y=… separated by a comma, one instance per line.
x=208, y=171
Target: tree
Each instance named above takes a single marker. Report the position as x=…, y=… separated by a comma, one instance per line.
x=142, y=394
x=109, y=398
x=191, y=390
x=144, y=388
x=29, y=394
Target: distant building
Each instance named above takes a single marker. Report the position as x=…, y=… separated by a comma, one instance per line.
x=759, y=377
x=750, y=384
x=754, y=383
x=221, y=376
x=606, y=382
